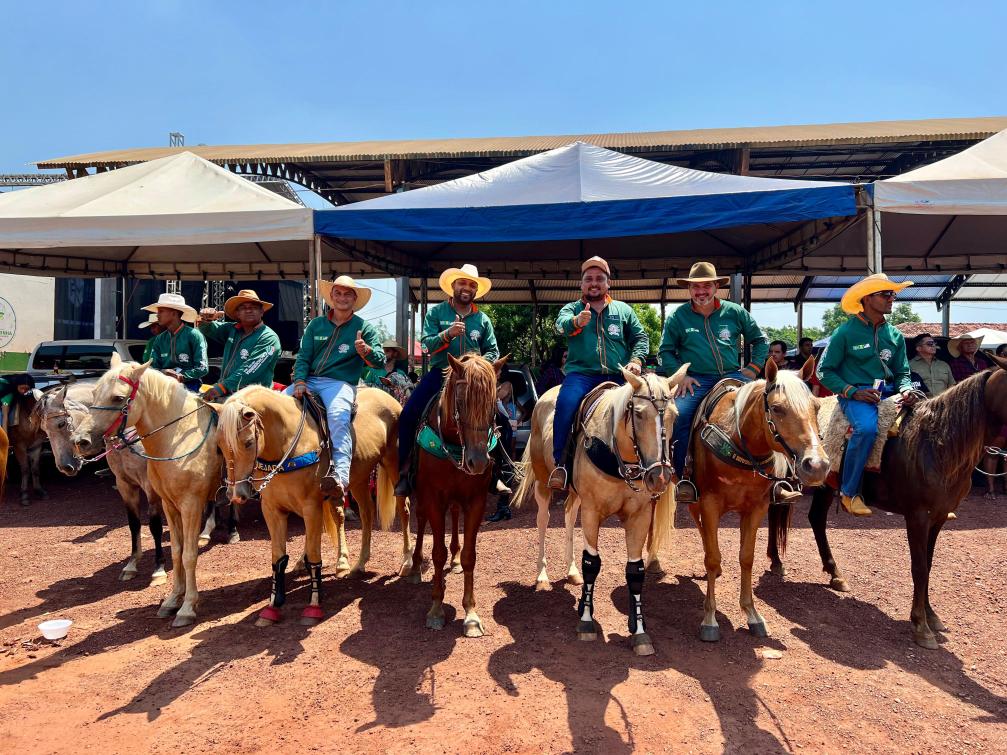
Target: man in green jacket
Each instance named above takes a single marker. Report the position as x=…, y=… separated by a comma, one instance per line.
x=335, y=348
x=179, y=352
x=602, y=336
x=455, y=327
x=155, y=331
x=251, y=348
x=704, y=332
x=864, y=362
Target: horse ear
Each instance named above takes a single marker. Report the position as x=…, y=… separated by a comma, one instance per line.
x=139, y=369
x=770, y=370
x=218, y=408
x=676, y=380
x=498, y=364
x=808, y=370
x=633, y=379
x=456, y=364
x=248, y=414
x=116, y=360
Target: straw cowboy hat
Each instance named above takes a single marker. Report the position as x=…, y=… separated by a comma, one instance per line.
x=703, y=272
x=955, y=344
x=391, y=345
x=244, y=295
x=465, y=272
x=345, y=281
x=172, y=301
x=595, y=262
x=870, y=285
x=151, y=319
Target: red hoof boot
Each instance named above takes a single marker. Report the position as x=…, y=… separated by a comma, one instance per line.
x=268, y=616
x=311, y=615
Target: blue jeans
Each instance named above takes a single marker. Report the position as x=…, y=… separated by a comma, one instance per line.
x=572, y=391
x=338, y=397
x=409, y=421
x=687, y=406
x=863, y=418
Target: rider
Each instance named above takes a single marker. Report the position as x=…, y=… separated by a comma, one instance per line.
x=455, y=327
x=704, y=332
x=10, y=387
x=864, y=362
x=334, y=349
x=179, y=352
x=155, y=330
x=251, y=348
x=602, y=335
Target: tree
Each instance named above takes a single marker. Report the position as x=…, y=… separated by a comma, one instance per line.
x=832, y=319
x=788, y=334
x=651, y=321
x=512, y=324
x=383, y=334
x=903, y=313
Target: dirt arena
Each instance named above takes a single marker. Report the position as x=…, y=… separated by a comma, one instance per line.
x=839, y=672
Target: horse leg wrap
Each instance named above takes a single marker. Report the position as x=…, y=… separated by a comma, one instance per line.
x=314, y=570
x=634, y=580
x=279, y=596
x=590, y=568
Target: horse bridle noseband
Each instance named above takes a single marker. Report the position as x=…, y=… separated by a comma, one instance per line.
x=256, y=425
x=456, y=414
x=630, y=472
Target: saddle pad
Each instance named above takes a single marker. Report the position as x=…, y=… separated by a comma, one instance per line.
x=431, y=442
x=835, y=429
x=290, y=465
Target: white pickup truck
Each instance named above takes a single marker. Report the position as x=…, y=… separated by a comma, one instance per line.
x=53, y=361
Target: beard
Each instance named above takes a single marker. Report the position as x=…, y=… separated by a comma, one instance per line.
x=594, y=294
x=464, y=296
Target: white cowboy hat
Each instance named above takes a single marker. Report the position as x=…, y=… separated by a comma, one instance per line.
x=244, y=295
x=465, y=272
x=872, y=284
x=151, y=319
x=954, y=345
x=172, y=301
x=345, y=281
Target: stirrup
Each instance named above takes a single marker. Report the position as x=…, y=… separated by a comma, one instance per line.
x=783, y=492
x=558, y=479
x=686, y=491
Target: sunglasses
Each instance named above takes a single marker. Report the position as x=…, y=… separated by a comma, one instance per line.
x=928, y=343
x=885, y=294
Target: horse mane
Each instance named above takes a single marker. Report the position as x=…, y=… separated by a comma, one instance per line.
x=482, y=380
x=230, y=415
x=160, y=387
x=951, y=426
x=798, y=396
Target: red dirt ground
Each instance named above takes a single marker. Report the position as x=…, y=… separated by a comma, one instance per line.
x=371, y=677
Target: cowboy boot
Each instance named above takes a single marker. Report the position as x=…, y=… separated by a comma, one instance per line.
x=403, y=486
x=558, y=479
x=855, y=505
x=503, y=510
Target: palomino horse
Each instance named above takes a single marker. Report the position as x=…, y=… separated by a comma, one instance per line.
x=633, y=423
x=179, y=431
x=258, y=424
x=925, y=474
x=463, y=418
x=27, y=439
x=762, y=430
x=59, y=413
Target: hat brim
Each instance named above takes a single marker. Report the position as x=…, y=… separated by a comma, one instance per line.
x=720, y=280
x=145, y=324
x=188, y=313
x=231, y=304
x=363, y=294
x=449, y=276
x=955, y=343
x=850, y=302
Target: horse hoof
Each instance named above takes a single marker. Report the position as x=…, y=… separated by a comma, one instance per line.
x=927, y=641
x=261, y=622
x=474, y=629
x=311, y=615
x=587, y=631
x=758, y=629
x=778, y=569
x=165, y=611
x=269, y=615
x=406, y=570
x=542, y=585
x=203, y=540
x=435, y=622
x=414, y=578
x=709, y=633
x=456, y=568
x=233, y=538
x=157, y=580
x=125, y=576
x=839, y=584
x=340, y=573
x=183, y=621
x=936, y=624
x=574, y=579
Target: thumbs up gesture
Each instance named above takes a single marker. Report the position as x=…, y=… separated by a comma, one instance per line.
x=583, y=318
x=457, y=327
x=361, y=345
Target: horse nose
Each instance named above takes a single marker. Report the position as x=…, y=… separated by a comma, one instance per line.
x=815, y=467
x=657, y=480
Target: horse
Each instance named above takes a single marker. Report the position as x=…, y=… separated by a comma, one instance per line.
x=179, y=430
x=462, y=416
x=926, y=472
x=4, y=449
x=257, y=423
x=58, y=413
x=633, y=422
x=27, y=440
x=761, y=431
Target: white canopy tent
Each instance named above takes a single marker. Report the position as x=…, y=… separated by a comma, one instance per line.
x=991, y=338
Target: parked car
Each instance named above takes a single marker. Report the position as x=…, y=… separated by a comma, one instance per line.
x=53, y=361
x=526, y=396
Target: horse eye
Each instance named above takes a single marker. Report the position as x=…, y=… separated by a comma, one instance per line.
x=778, y=410
x=61, y=424
x=248, y=443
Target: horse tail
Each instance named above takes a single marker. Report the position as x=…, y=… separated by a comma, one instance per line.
x=387, y=504
x=780, y=515
x=525, y=478
x=4, y=448
x=661, y=524
x=329, y=522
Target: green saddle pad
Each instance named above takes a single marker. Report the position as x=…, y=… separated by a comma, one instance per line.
x=434, y=445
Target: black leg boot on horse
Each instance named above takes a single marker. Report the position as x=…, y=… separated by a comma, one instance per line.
x=271, y=613
x=642, y=644
x=587, y=629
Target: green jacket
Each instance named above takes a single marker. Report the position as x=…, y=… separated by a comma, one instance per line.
x=710, y=344
x=858, y=354
x=328, y=350
x=478, y=337
x=613, y=338
x=248, y=359
x=148, y=350
x=184, y=350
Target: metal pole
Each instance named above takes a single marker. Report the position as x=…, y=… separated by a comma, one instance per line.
x=423, y=313
x=736, y=284
x=874, y=241
x=319, y=273
x=534, y=333
x=946, y=319
x=412, y=335
x=401, y=309
x=312, y=277
x=800, y=322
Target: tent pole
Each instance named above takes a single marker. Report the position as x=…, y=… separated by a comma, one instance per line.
x=317, y=257
x=423, y=312
x=401, y=309
x=312, y=277
x=800, y=322
x=946, y=319
x=874, y=240
x=412, y=333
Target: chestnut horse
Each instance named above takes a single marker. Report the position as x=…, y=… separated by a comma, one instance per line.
x=925, y=474
x=772, y=427
x=258, y=424
x=4, y=449
x=463, y=418
x=634, y=421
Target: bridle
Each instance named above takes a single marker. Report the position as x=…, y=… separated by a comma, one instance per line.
x=256, y=424
x=785, y=482
x=630, y=472
x=456, y=415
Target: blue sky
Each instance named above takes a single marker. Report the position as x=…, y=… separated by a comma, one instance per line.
x=81, y=77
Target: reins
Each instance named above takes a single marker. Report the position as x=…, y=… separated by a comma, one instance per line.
x=779, y=483
x=636, y=471
x=256, y=425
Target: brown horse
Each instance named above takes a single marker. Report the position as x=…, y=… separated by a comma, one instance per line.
x=463, y=418
x=772, y=425
x=925, y=474
x=4, y=449
x=634, y=422
x=27, y=440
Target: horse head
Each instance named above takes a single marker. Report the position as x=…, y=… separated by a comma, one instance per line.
x=58, y=417
x=791, y=421
x=643, y=425
x=238, y=440
x=117, y=403
x=469, y=404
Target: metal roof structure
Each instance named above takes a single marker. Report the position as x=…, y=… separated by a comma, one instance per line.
x=344, y=172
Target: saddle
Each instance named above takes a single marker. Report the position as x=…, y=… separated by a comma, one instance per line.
x=597, y=450
x=835, y=429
